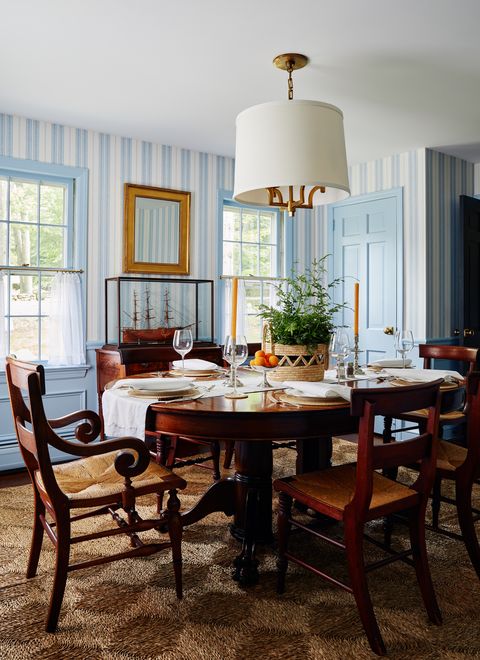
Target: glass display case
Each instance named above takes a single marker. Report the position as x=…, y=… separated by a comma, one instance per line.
x=147, y=310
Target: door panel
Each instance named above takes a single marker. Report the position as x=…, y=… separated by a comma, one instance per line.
x=365, y=247
x=470, y=211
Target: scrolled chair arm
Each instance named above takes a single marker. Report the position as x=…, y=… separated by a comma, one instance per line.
x=86, y=432
x=129, y=463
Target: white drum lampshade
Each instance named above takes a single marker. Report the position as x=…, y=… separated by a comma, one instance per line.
x=290, y=143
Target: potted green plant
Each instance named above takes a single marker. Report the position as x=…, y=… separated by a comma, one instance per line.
x=298, y=327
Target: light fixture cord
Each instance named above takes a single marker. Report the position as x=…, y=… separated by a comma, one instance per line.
x=290, y=64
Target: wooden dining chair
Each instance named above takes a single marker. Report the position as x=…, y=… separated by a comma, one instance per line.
x=356, y=493
x=109, y=476
x=461, y=465
x=454, y=420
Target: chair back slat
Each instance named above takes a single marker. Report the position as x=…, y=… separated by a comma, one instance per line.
x=465, y=354
x=405, y=452
x=20, y=371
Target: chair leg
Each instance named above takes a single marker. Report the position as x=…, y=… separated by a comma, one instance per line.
x=436, y=494
x=422, y=569
x=229, y=447
x=175, y=530
x=160, y=502
x=358, y=581
x=37, y=537
x=284, y=514
x=60, y=577
x=215, y=449
x=463, y=496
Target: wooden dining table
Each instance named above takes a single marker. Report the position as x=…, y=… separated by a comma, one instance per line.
x=254, y=424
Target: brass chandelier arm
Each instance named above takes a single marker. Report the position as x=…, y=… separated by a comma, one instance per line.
x=292, y=205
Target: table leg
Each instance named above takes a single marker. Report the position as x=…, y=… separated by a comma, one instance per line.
x=253, y=505
x=314, y=454
x=219, y=497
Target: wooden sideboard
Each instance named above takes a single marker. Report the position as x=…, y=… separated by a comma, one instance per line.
x=114, y=362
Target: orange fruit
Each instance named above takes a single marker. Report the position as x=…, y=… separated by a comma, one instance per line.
x=252, y=363
x=259, y=362
x=267, y=356
x=273, y=360
x=260, y=354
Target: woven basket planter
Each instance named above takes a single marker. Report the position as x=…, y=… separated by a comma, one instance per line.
x=296, y=362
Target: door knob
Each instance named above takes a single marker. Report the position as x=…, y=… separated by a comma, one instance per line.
x=456, y=332
x=468, y=332
x=388, y=330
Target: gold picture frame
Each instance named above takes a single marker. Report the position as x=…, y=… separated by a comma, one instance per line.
x=156, y=235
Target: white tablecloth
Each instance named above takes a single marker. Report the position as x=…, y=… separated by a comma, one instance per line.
x=125, y=415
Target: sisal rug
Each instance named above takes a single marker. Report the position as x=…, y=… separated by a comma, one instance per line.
x=128, y=611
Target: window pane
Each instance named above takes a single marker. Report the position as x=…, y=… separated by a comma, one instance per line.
x=231, y=258
x=252, y=296
x=3, y=198
x=268, y=261
x=3, y=243
x=23, y=201
x=250, y=227
x=231, y=224
x=23, y=245
x=267, y=228
x=249, y=260
x=24, y=338
x=52, y=247
x=24, y=295
x=45, y=287
x=46, y=325
x=253, y=329
x=52, y=204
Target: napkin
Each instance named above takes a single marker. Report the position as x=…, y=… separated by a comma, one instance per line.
x=151, y=383
x=319, y=389
x=195, y=365
x=425, y=375
x=392, y=362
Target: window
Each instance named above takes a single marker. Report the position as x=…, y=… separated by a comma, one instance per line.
x=36, y=235
x=252, y=249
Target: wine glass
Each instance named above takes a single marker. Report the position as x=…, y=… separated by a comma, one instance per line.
x=404, y=343
x=339, y=348
x=183, y=343
x=235, y=351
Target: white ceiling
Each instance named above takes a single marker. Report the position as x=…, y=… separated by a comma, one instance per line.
x=405, y=73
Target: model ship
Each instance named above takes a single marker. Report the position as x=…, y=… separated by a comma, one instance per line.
x=161, y=334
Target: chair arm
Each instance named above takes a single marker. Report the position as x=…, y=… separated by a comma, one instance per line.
x=86, y=432
x=126, y=462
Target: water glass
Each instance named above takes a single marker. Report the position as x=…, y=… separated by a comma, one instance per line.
x=340, y=349
x=404, y=343
x=235, y=352
x=183, y=343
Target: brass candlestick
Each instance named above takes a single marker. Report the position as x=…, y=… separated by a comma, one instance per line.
x=356, y=369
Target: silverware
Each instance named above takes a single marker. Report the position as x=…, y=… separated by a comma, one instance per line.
x=188, y=398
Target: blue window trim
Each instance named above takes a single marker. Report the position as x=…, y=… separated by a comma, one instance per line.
x=78, y=180
x=226, y=197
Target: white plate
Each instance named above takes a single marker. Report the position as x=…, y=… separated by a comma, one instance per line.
x=163, y=385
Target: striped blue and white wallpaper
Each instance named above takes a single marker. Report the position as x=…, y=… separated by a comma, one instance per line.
x=405, y=170
x=447, y=178
x=112, y=161
x=430, y=182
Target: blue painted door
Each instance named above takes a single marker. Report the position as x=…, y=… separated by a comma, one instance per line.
x=367, y=246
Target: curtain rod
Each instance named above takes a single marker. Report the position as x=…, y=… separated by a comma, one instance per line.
x=252, y=277
x=41, y=269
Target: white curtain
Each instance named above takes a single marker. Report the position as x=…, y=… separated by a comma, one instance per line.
x=227, y=307
x=66, y=338
x=3, y=320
